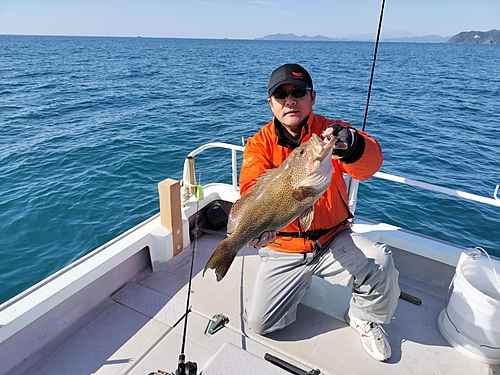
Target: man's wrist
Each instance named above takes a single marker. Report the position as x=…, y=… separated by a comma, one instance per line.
x=356, y=149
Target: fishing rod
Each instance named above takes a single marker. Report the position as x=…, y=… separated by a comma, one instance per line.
x=354, y=184
x=353, y=187
x=373, y=66
x=183, y=367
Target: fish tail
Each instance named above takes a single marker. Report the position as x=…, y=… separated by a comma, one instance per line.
x=221, y=260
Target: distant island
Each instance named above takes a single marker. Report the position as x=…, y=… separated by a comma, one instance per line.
x=465, y=37
x=355, y=38
x=291, y=36
x=477, y=37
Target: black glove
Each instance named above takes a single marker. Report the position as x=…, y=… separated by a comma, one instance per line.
x=355, y=143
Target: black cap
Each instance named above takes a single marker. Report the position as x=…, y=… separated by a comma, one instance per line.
x=289, y=73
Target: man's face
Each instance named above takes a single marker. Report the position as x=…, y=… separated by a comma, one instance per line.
x=291, y=111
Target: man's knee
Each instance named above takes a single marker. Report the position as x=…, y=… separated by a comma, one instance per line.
x=263, y=323
x=383, y=256
x=256, y=324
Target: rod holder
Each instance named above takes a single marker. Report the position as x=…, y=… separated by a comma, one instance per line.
x=218, y=322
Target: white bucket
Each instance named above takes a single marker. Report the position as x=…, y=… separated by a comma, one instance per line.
x=471, y=320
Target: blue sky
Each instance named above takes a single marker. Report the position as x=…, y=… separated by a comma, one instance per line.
x=245, y=19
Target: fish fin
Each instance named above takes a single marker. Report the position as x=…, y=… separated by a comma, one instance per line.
x=221, y=260
x=307, y=217
x=304, y=194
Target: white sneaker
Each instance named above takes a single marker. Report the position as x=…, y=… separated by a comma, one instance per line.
x=373, y=337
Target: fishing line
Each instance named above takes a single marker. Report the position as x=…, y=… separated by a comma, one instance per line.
x=373, y=66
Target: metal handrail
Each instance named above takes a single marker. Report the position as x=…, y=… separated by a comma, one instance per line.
x=234, y=160
x=427, y=186
x=495, y=201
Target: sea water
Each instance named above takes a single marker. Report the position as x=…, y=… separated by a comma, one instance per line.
x=90, y=125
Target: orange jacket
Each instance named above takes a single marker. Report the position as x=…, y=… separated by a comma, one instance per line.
x=267, y=150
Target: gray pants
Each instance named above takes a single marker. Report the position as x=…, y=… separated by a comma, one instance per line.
x=349, y=259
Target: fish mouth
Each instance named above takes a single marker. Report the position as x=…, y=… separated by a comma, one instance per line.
x=323, y=149
x=319, y=176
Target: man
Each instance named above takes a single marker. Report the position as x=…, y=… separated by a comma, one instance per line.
x=329, y=249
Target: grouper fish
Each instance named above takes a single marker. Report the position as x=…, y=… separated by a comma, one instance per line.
x=280, y=196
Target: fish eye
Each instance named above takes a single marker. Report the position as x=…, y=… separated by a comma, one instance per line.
x=302, y=152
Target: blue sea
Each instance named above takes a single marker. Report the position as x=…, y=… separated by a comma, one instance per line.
x=90, y=125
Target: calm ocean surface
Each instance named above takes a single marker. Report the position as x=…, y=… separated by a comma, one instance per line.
x=89, y=126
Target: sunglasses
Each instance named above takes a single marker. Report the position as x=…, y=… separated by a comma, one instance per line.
x=297, y=92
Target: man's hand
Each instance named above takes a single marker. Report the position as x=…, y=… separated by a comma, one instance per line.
x=344, y=135
x=350, y=145
x=264, y=239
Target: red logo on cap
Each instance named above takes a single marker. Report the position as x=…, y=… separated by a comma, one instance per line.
x=297, y=75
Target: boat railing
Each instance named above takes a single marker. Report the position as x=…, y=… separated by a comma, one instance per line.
x=495, y=201
x=234, y=160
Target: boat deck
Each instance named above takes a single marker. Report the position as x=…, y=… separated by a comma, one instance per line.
x=137, y=330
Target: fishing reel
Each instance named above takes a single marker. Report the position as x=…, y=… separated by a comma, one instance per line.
x=183, y=368
x=188, y=368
